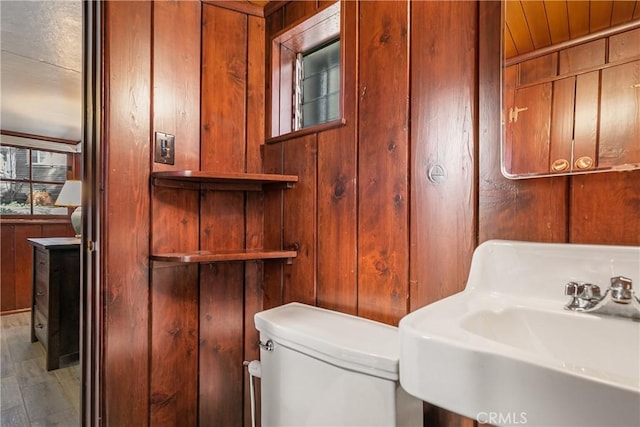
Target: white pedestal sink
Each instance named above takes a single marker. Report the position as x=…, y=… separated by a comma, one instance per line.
x=506, y=352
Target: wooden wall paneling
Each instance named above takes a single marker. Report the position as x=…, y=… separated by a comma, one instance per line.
x=561, y=130
x=297, y=10
x=272, y=163
x=222, y=225
x=273, y=24
x=443, y=158
x=224, y=80
x=299, y=220
x=23, y=262
x=605, y=208
x=253, y=276
x=221, y=344
x=624, y=45
x=530, y=134
x=581, y=57
x=256, y=83
x=17, y=262
x=125, y=229
x=174, y=346
x=586, y=116
x=273, y=156
x=76, y=171
x=244, y=7
x=537, y=69
x=619, y=122
x=63, y=229
x=532, y=209
x=383, y=141
x=441, y=243
x=8, y=263
x=323, y=3
x=174, y=213
x=337, y=186
x=254, y=200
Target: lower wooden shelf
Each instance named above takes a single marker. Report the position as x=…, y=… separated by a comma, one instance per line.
x=222, y=256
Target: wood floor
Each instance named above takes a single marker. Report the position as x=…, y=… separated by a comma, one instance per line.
x=29, y=395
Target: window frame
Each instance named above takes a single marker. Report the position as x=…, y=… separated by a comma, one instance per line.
x=299, y=38
x=30, y=182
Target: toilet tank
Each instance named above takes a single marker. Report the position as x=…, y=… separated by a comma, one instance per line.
x=326, y=368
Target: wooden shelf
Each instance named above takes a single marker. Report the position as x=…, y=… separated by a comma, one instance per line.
x=222, y=256
x=196, y=180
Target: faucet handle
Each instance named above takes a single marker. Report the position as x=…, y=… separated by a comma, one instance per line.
x=582, y=290
x=621, y=289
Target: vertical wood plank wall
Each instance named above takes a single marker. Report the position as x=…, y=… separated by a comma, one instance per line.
x=362, y=237
x=383, y=156
x=16, y=258
x=125, y=200
x=223, y=148
x=421, y=89
x=174, y=216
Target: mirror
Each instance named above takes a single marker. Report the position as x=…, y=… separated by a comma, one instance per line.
x=570, y=87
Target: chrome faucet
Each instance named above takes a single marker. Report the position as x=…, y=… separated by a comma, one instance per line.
x=619, y=300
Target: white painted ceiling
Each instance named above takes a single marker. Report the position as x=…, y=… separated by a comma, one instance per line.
x=41, y=68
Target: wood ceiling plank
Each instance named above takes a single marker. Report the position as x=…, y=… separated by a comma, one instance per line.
x=509, y=45
x=600, y=15
x=623, y=11
x=517, y=26
x=578, y=18
x=557, y=15
x=537, y=22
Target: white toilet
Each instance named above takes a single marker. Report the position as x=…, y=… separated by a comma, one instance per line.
x=324, y=368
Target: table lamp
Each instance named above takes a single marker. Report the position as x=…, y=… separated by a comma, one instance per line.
x=71, y=196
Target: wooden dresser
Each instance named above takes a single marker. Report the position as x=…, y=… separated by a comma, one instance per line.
x=55, y=308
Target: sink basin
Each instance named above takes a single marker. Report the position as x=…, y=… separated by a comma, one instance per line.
x=505, y=352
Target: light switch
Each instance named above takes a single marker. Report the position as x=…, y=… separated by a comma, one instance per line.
x=164, y=148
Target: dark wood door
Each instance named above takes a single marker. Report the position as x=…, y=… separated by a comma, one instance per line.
x=620, y=115
x=528, y=129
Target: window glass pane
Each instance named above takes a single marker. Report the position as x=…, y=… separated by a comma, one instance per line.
x=320, y=85
x=14, y=162
x=334, y=79
x=333, y=107
x=322, y=59
x=30, y=181
x=48, y=166
x=314, y=87
x=314, y=112
x=43, y=198
x=13, y=200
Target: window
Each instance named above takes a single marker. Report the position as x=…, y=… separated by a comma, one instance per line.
x=318, y=86
x=30, y=181
x=306, y=73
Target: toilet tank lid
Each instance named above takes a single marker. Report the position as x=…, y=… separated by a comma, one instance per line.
x=348, y=341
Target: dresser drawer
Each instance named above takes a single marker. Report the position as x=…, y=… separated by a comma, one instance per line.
x=41, y=263
x=41, y=327
x=42, y=297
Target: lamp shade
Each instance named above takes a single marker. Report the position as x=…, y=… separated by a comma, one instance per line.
x=71, y=194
